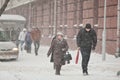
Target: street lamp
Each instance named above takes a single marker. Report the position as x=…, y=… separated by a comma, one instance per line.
x=55, y=26
x=118, y=31
x=104, y=35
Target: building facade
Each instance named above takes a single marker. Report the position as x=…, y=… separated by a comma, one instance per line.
x=70, y=14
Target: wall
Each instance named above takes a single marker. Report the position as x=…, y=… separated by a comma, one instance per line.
x=70, y=14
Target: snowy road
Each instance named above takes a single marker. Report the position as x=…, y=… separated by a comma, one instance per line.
x=31, y=67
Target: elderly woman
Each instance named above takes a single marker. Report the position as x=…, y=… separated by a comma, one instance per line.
x=58, y=47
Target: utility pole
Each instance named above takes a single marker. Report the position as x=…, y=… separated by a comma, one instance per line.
x=55, y=15
x=104, y=35
x=29, y=10
x=118, y=30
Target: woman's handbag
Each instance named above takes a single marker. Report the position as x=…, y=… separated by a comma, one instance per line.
x=25, y=47
x=67, y=57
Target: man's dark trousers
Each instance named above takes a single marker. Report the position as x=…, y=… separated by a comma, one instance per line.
x=85, y=57
x=37, y=45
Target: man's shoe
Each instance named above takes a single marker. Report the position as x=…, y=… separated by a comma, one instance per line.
x=36, y=54
x=85, y=73
x=57, y=73
x=118, y=73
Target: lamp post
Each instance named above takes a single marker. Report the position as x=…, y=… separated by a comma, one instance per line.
x=55, y=26
x=104, y=35
x=118, y=32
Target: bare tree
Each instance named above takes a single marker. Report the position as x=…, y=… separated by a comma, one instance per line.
x=4, y=6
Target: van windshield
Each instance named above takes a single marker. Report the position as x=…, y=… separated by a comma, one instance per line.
x=4, y=36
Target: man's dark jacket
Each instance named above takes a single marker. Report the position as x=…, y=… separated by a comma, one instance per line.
x=86, y=39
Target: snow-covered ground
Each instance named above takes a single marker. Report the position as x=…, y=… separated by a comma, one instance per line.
x=31, y=67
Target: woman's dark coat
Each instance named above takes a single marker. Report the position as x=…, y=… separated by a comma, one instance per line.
x=59, y=49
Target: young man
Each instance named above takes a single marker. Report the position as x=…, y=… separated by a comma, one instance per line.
x=36, y=37
x=86, y=40
x=58, y=47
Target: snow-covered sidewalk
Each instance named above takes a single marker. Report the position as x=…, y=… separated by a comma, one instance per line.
x=31, y=67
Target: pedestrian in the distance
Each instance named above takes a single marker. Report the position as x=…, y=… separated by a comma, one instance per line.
x=86, y=40
x=21, y=37
x=13, y=34
x=28, y=42
x=59, y=47
x=36, y=37
x=17, y=35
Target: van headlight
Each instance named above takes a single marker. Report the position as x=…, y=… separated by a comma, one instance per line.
x=15, y=49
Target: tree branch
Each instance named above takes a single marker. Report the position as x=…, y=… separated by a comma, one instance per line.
x=4, y=7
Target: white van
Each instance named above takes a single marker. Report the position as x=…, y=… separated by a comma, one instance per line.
x=8, y=47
